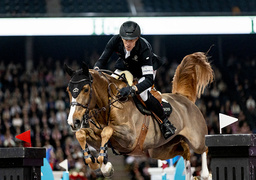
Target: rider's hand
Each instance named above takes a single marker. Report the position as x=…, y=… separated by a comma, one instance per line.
x=126, y=91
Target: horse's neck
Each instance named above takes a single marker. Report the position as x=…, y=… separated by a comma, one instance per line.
x=100, y=88
x=104, y=87
x=105, y=90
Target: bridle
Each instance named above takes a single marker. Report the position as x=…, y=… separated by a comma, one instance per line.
x=72, y=103
x=96, y=111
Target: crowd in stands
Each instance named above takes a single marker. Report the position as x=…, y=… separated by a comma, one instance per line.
x=43, y=7
x=36, y=100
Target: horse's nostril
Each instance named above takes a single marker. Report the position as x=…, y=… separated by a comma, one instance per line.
x=77, y=124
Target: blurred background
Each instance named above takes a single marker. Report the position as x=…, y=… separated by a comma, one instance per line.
x=33, y=84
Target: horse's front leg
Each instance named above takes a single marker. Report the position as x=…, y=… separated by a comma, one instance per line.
x=106, y=133
x=88, y=157
x=106, y=167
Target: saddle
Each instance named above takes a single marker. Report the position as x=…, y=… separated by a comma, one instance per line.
x=143, y=108
x=140, y=103
x=145, y=111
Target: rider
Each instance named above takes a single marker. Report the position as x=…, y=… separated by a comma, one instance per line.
x=135, y=55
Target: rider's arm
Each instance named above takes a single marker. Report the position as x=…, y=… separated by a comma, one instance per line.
x=146, y=68
x=146, y=83
x=108, y=51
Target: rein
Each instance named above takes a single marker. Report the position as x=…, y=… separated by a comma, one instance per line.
x=110, y=99
x=86, y=115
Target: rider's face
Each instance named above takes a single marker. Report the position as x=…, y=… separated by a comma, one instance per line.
x=129, y=44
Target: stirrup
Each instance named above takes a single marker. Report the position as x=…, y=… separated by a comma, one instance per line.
x=167, y=129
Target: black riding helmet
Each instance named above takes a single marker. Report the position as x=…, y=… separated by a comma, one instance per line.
x=129, y=30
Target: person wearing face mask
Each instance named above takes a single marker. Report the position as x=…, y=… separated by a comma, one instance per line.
x=135, y=55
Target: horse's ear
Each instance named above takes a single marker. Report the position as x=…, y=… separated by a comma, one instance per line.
x=85, y=69
x=68, y=70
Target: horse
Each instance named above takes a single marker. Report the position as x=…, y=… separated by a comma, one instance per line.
x=100, y=118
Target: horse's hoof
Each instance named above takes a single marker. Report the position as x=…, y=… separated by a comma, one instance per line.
x=107, y=169
x=206, y=176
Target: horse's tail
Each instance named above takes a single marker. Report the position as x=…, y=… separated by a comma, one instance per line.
x=192, y=76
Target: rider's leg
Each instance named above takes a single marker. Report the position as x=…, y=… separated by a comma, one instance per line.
x=155, y=106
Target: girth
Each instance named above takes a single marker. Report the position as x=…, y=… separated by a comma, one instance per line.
x=138, y=150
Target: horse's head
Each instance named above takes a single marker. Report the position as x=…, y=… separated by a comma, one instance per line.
x=81, y=95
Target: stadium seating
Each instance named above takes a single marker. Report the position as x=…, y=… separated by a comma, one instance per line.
x=22, y=7
x=199, y=6
x=171, y=7
x=96, y=6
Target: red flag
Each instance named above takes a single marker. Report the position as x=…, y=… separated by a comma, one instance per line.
x=165, y=165
x=25, y=137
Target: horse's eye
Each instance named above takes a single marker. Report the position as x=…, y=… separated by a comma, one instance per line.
x=86, y=90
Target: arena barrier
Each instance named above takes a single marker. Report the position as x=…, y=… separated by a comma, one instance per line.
x=233, y=156
x=19, y=163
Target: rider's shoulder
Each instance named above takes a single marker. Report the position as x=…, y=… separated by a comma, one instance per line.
x=116, y=38
x=144, y=42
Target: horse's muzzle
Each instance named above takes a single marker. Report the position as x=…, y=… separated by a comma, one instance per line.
x=77, y=125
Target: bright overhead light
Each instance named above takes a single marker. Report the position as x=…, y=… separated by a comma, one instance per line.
x=110, y=25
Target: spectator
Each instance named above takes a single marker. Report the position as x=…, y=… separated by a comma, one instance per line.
x=15, y=108
x=8, y=139
x=215, y=92
x=235, y=109
x=250, y=104
x=244, y=128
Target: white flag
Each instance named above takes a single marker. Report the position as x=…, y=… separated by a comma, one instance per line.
x=226, y=120
x=64, y=164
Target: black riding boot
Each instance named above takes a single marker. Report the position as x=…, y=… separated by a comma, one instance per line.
x=166, y=126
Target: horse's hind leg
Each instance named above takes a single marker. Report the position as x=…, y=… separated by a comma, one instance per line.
x=205, y=175
x=186, y=155
x=106, y=167
x=88, y=158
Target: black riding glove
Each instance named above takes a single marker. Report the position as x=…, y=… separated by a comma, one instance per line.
x=126, y=91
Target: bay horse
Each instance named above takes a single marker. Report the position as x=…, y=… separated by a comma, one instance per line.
x=99, y=117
